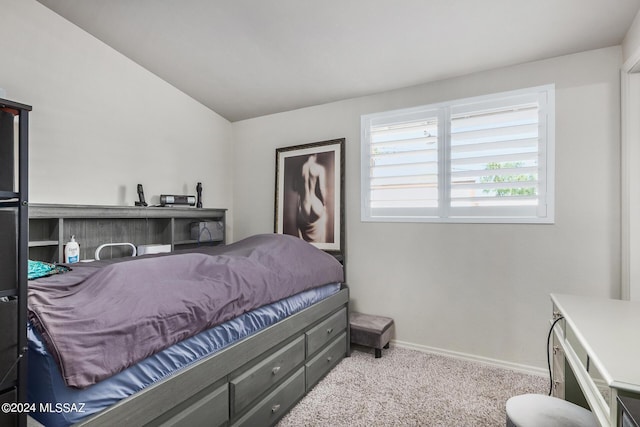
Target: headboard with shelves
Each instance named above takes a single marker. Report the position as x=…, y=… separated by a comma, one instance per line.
x=52, y=225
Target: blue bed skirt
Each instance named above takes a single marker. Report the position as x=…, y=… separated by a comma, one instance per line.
x=65, y=405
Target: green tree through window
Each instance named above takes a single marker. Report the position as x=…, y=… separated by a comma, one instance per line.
x=509, y=191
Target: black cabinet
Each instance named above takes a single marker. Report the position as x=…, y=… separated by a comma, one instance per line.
x=14, y=220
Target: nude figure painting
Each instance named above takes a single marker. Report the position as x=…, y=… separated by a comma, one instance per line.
x=309, y=193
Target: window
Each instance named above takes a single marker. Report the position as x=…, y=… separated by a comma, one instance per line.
x=485, y=159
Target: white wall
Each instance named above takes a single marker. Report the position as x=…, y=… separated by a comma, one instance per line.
x=630, y=166
x=631, y=40
x=101, y=123
x=476, y=289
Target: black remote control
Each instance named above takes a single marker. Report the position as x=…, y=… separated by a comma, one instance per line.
x=142, y=202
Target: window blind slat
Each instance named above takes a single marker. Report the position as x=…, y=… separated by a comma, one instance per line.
x=495, y=118
x=402, y=170
x=512, y=144
x=493, y=172
x=493, y=158
x=403, y=205
x=410, y=132
x=377, y=159
x=497, y=200
x=404, y=180
x=481, y=186
x=494, y=134
x=409, y=143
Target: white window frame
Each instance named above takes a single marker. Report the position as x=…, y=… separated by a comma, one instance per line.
x=542, y=213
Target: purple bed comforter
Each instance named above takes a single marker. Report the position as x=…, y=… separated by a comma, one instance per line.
x=103, y=317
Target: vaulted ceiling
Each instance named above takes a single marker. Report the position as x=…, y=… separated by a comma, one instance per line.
x=248, y=58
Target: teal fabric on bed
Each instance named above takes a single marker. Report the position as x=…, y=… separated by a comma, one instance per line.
x=42, y=269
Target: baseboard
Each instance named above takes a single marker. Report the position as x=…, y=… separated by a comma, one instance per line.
x=526, y=369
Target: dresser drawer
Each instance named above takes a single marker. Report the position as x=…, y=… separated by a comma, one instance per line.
x=558, y=388
x=276, y=404
x=558, y=362
x=211, y=410
x=324, y=332
x=325, y=360
x=259, y=378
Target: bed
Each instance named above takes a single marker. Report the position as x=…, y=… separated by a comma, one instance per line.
x=241, y=358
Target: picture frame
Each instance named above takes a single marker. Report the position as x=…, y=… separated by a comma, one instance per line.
x=309, y=193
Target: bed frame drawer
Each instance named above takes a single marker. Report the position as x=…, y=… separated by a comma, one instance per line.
x=259, y=378
x=276, y=404
x=325, y=360
x=321, y=334
x=210, y=410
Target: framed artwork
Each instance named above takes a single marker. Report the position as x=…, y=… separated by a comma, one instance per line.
x=310, y=193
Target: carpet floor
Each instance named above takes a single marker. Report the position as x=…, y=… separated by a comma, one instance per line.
x=411, y=388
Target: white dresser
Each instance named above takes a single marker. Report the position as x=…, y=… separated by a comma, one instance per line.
x=596, y=354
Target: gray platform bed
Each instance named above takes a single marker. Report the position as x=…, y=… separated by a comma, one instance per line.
x=254, y=382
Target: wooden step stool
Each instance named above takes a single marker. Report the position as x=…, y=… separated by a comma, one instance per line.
x=370, y=331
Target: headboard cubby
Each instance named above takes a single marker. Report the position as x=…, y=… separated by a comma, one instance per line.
x=52, y=225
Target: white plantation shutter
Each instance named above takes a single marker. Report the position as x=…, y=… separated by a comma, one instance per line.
x=487, y=159
x=403, y=164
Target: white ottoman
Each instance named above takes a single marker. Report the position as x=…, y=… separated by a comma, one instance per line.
x=537, y=410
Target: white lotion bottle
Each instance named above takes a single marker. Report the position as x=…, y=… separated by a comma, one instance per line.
x=72, y=251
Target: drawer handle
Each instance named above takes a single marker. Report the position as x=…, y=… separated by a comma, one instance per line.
x=275, y=408
x=275, y=370
x=329, y=330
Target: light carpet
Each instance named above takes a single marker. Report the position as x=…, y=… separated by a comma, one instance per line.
x=411, y=388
